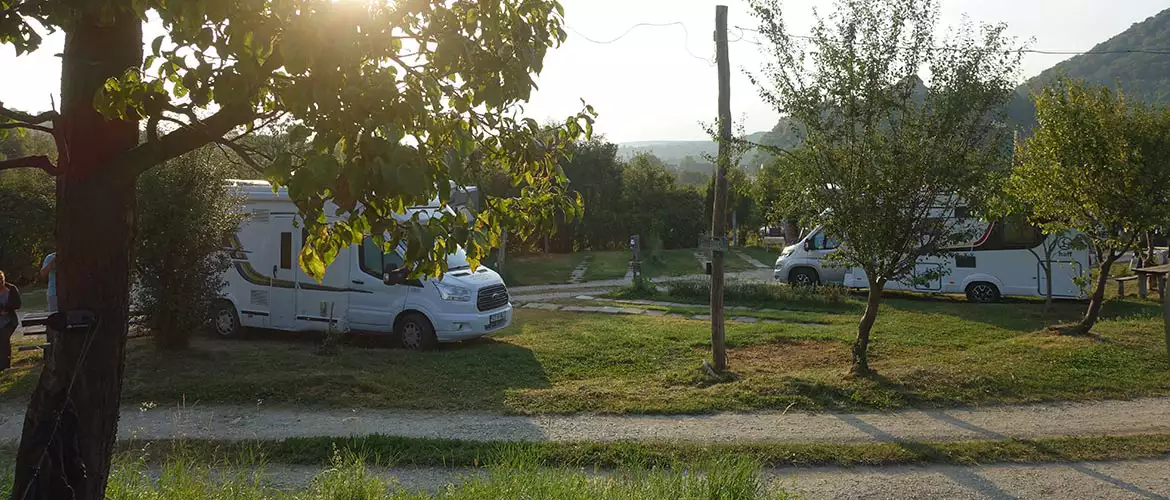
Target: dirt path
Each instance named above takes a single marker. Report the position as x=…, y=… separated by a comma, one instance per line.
x=544, y=290
x=242, y=422
x=1128, y=479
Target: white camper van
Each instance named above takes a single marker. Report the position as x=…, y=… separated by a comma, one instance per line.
x=1000, y=262
x=364, y=289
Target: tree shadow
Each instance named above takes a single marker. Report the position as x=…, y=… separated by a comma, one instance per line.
x=1047, y=450
x=285, y=369
x=960, y=475
x=967, y=477
x=1020, y=316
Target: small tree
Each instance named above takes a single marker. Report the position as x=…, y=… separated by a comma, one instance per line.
x=887, y=154
x=1097, y=164
x=187, y=218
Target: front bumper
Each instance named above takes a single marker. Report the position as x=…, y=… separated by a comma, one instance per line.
x=780, y=271
x=456, y=327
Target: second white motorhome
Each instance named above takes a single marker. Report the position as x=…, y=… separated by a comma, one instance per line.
x=1001, y=261
x=364, y=288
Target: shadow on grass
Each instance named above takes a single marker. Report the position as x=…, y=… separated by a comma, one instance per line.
x=285, y=369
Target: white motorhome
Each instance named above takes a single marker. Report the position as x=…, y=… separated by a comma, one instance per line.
x=363, y=290
x=999, y=262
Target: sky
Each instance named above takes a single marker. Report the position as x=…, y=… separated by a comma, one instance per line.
x=660, y=83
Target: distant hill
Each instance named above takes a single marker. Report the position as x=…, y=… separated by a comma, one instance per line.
x=674, y=152
x=1144, y=77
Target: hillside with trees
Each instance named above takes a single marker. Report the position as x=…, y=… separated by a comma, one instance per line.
x=1143, y=76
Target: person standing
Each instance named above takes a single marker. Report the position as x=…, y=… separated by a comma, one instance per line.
x=9, y=304
x=49, y=271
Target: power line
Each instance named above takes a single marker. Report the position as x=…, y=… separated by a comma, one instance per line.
x=686, y=37
x=1021, y=51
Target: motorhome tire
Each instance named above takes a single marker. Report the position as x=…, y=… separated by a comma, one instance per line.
x=415, y=332
x=803, y=276
x=982, y=292
x=225, y=321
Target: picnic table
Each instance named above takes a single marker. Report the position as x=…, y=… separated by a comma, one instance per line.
x=1158, y=271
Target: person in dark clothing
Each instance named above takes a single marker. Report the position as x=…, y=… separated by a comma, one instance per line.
x=9, y=304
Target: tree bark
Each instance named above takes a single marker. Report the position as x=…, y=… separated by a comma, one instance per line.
x=72, y=418
x=860, y=366
x=1097, y=299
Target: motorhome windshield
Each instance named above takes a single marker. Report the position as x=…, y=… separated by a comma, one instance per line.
x=458, y=260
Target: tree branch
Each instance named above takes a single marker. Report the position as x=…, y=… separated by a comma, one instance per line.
x=22, y=117
x=40, y=162
x=186, y=139
x=243, y=152
x=29, y=126
x=197, y=134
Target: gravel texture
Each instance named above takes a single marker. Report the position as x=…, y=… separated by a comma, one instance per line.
x=989, y=423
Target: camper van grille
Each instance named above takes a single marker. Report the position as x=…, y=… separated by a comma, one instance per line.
x=492, y=297
x=259, y=298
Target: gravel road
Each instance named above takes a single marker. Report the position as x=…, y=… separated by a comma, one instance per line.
x=259, y=422
x=1106, y=480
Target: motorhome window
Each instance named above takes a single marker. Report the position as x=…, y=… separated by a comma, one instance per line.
x=373, y=261
x=371, y=258
x=962, y=212
x=286, y=250
x=965, y=261
x=823, y=242
x=1012, y=233
x=1018, y=233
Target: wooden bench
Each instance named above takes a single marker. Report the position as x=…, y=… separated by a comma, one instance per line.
x=1121, y=284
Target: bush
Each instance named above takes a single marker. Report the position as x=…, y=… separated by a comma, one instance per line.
x=760, y=293
x=186, y=217
x=28, y=203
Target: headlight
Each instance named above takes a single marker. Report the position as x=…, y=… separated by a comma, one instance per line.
x=453, y=293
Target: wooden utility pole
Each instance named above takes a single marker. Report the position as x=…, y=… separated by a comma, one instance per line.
x=718, y=222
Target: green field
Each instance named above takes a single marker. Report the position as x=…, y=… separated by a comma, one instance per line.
x=608, y=265
x=540, y=269
x=33, y=298
x=929, y=352
x=766, y=256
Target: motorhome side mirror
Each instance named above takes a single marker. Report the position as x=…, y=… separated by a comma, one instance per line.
x=392, y=276
x=808, y=244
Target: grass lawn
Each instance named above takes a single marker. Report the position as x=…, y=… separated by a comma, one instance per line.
x=188, y=474
x=929, y=352
x=675, y=262
x=395, y=451
x=608, y=265
x=33, y=299
x=540, y=269
x=766, y=256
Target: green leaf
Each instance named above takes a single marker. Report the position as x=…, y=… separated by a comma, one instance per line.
x=156, y=45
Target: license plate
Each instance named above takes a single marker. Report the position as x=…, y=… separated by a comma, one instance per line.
x=496, y=318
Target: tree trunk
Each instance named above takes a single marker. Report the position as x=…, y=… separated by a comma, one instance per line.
x=71, y=422
x=1097, y=298
x=1149, y=260
x=860, y=366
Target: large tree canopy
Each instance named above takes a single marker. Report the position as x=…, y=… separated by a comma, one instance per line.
x=393, y=97
x=389, y=100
